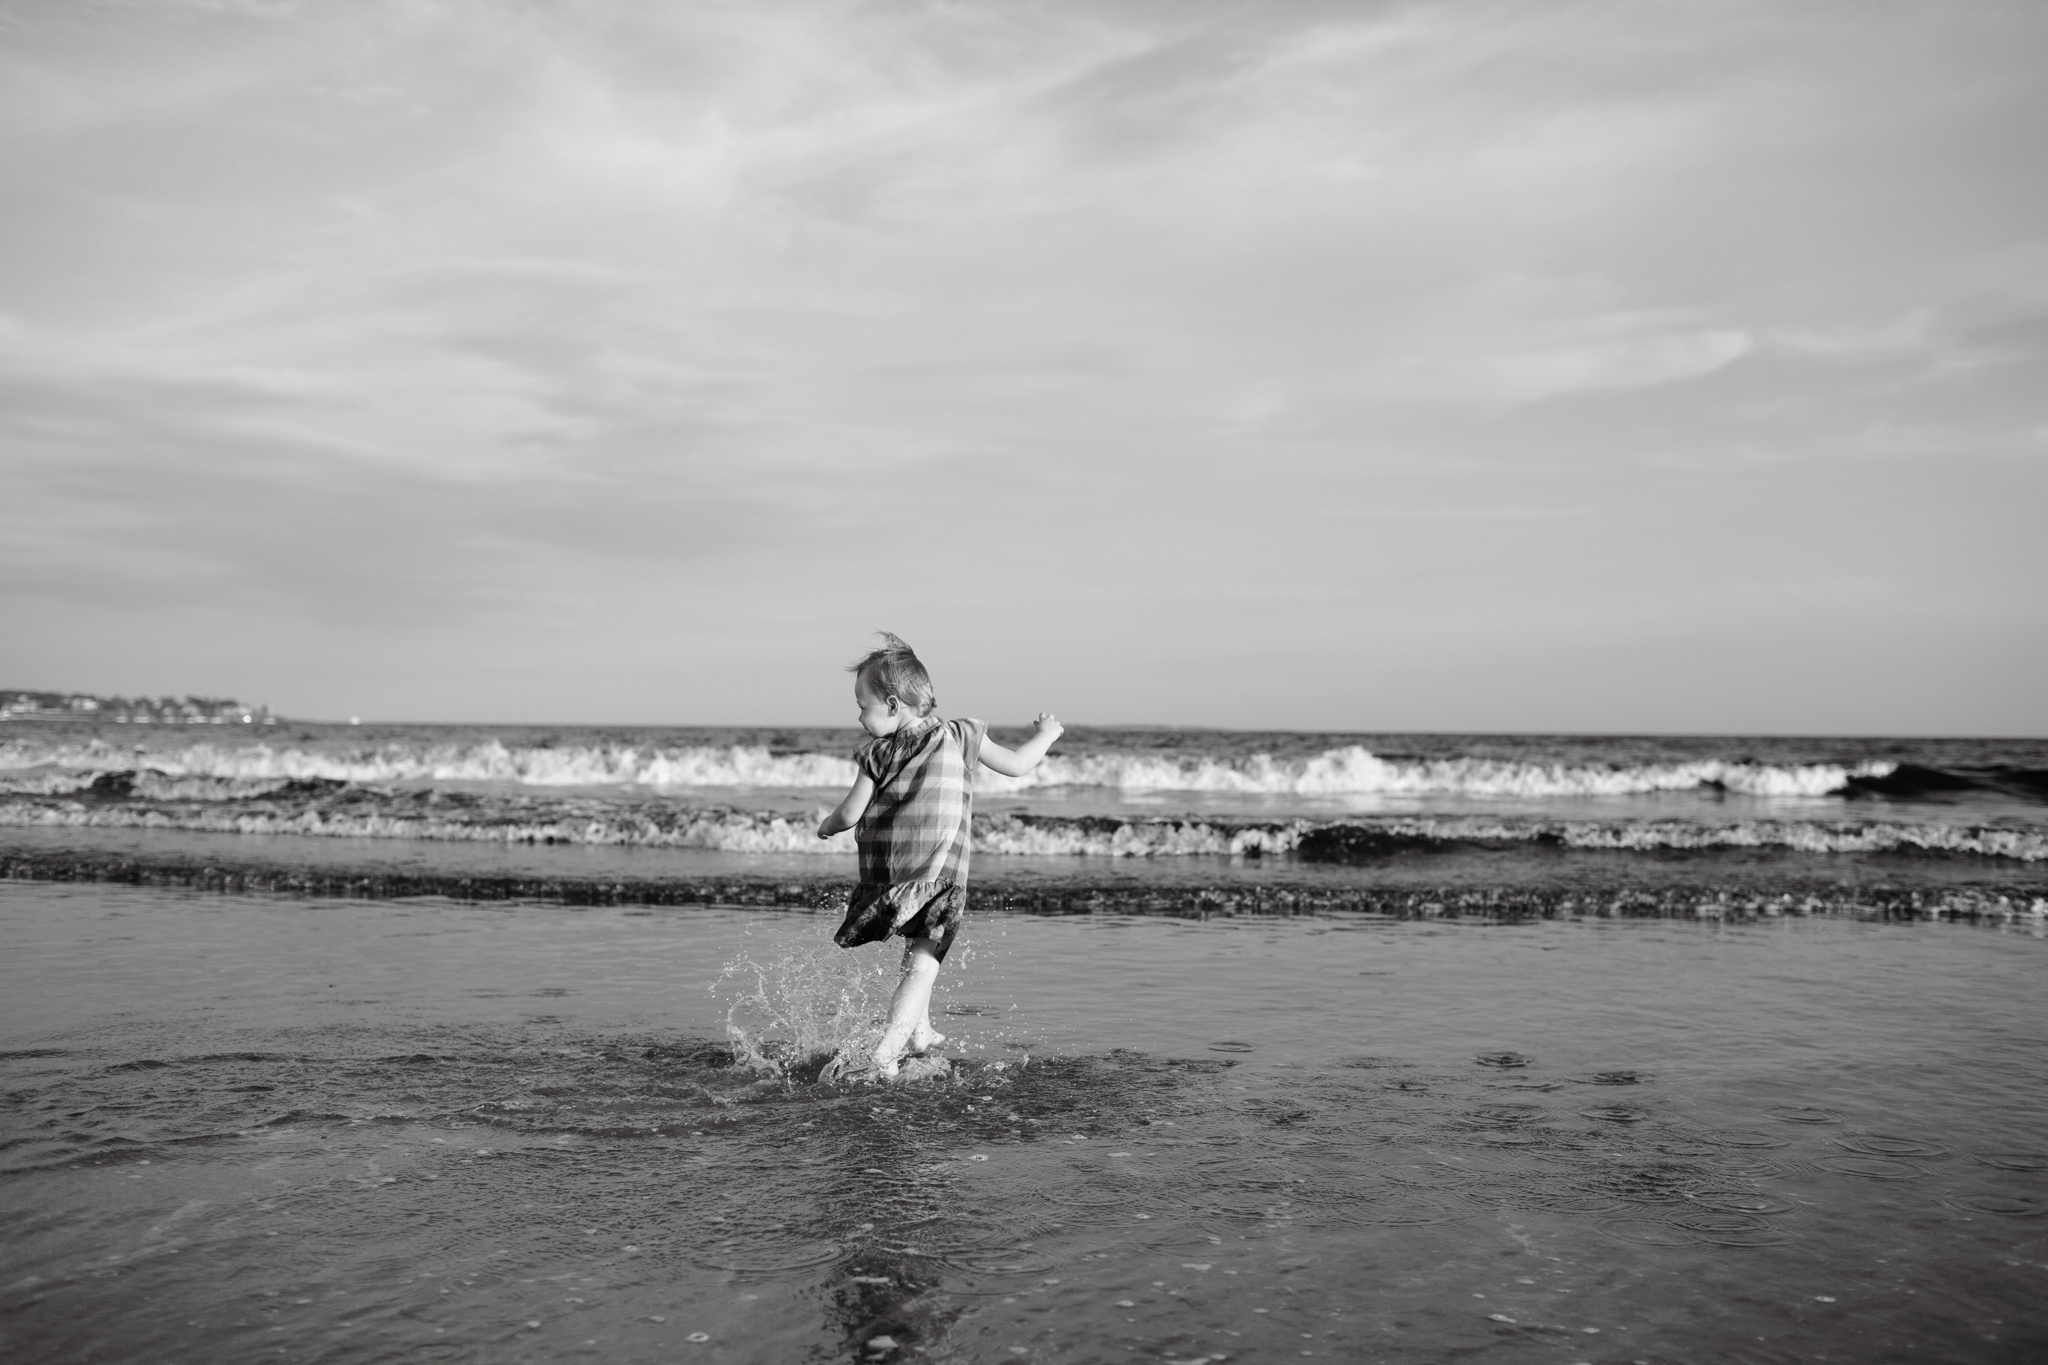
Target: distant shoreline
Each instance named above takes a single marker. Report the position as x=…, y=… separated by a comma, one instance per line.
x=31, y=704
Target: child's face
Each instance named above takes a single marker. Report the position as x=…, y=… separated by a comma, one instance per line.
x=879, y=715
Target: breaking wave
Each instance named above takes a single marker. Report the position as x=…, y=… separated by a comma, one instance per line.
x=1353, y=770
x=492, y=761
x=722, y=831
x=1350, y=770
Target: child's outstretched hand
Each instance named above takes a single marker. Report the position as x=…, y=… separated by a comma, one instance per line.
x=1049, y=726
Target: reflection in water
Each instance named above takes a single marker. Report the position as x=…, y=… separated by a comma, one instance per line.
x=495, y=1181
x=1357, y=1174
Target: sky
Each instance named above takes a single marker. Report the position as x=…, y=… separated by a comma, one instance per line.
x=1634, y=366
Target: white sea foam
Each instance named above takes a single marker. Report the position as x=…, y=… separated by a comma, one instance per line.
x=46, y=782
x=1147, y=839
x=573, y=765
x=1350, y=770
x=1165, y=839
x=727, y=832
x=735, y=831
x=1353, y=770
x=1805, y=837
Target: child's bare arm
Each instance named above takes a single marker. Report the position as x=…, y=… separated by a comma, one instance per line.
x=850, y=810
x=1021, y=760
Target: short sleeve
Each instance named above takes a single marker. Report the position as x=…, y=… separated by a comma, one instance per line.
x=866, y=759
x=970, y=734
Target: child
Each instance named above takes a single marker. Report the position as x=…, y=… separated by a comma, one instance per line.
x=912, y=802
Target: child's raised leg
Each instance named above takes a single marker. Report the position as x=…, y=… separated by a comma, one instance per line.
x=910, y=1023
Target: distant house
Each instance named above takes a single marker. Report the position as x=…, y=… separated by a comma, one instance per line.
x=19, y=704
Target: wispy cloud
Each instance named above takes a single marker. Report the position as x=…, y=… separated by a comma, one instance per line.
x=415, y=319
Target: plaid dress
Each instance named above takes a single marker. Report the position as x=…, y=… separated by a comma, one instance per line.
x=913, y=837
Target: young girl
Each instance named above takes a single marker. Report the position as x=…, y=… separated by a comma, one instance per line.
x=912, y=802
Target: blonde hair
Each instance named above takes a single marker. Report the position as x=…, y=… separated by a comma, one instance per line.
x=895, y=670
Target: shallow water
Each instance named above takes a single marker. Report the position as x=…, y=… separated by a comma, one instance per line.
x=261, y=1128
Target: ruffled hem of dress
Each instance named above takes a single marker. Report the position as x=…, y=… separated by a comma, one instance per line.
x=922, y=909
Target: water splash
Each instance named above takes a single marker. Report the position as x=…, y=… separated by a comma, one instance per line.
x=798, y=1005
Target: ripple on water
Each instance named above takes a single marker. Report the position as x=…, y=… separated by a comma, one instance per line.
x=941, y=1236
x=1649, y=1182
x=1231, y=1045
x=1299, y=1141
x=1746, y=1237
x=1737, y=1138
x=1713, y=1221
x=1615, y=1078
x=1400, y=1210
x=766, y=1254
x=2013, y=1161
x=1505, y=1115
x=1803, y=1113
x=1649, y=1232
x=1615, y=1113
x=2004, y=1205
x=1006, y=1261
x=1105, y=1193
x=1737, y=1201
x=1344, y=1190
x=1511, y=1138
x=1878, y=1144
x=1693, y=1149
x=1868, y=1168
x=1546, y=1199
x=1692, y=1229
x=1504, y=1059
x=1256, y=1208
x=1431, y=1177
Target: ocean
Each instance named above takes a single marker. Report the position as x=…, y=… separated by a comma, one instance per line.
x=355, y=1043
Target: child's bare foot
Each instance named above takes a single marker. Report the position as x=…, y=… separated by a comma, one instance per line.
x=886, y=1057
x=925, y=1039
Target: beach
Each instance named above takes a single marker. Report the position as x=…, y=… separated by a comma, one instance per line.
x=1490, y=553
x=358, y=1096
